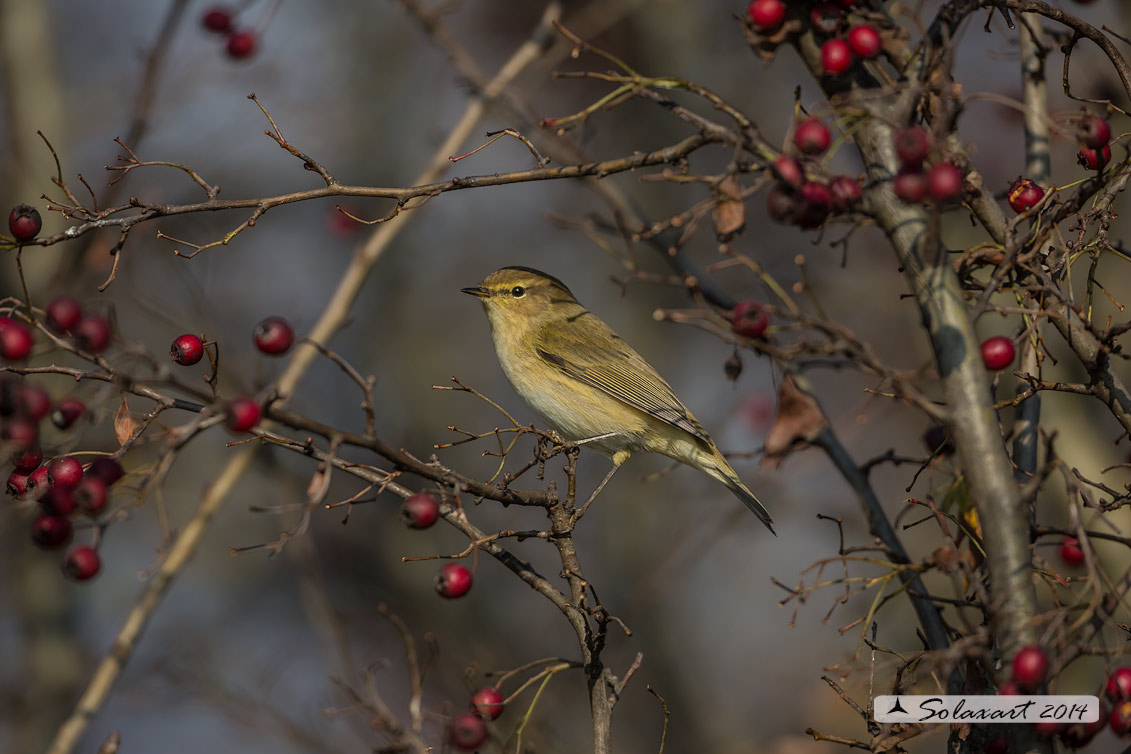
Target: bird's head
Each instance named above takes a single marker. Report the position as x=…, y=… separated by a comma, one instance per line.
x=521, y=296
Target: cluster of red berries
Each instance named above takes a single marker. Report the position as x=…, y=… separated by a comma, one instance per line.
x=468, y=731
x=941, y=181
x=420, y=511
x=826, y=18
x=64, y=315
x=240, y=43
x=1094, y=135
x=24, y=223
x=795, y=199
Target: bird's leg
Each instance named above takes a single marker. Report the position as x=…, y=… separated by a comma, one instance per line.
x=618, y=459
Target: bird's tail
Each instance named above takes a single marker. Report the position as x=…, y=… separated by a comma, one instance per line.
x=725, y=474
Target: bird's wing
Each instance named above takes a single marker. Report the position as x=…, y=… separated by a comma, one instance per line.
x=607, y=363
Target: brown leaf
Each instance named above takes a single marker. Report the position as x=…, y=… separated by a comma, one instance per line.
x=124, y=424
x=947, y=559
x=799, y=419
x=729, y=215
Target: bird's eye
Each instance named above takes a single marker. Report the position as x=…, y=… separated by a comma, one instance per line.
x=518, y=291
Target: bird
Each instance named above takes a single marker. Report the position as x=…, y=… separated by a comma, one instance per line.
x=588, y=384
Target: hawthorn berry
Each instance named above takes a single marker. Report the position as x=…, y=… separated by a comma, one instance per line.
x=815, y=203
x=33, y=402
x=910, y=185
x=1009, y=688
x=467, y=732
x=1030, y=666
x=27, y=460
x=487, y=702
x=105, y=468
x=812, y=137
x=789, y=171
x=781, y=203
x=187, y=349
x=765, y=15
x=218, y=19
x=836, y=57
x=749, y=319
x=997, y=352
x=1093, y=132
x=51, y=531
x=242, y=44
x=58, y=501
x=92, y=333
x=420, y=511
x=64, y=472
x=20, y=433
x=242, y=414
x=825, y=18
x=67, y=412
x=82, y=563
x=1121, y=719
x=1024, y=195
x=1094, y=159
x=453, y=580
x=17, y=483
x=16, y=339
x=24, y=223
x=845, y=192
x=944, y=181
x=1118, y=686
x=37, y=480
x=63, y=314
x=91, y=495
x=1070, y=552
x=274, y=336
x=912, y=145
x=865, y=41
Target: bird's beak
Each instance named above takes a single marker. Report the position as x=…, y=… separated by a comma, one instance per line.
x=478, y=291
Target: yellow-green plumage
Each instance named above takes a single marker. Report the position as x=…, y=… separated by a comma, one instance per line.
x=583, y=379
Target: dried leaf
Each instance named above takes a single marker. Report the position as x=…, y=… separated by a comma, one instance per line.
x=947, y=559
x=799, y=418
x=729, y=215
x=124, y=424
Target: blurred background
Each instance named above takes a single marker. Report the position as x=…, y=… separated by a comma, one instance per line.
x=240, y=655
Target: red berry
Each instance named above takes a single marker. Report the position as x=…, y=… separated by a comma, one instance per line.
x=825, y=18
x=1030, y=666
x=92, y=333
x=16, y=339
x=1070, y=552
x=487, y=702
x=1080, y=735
x=420, y=511
x=816, y=202
x=1118, y=687
x=944, y=181
x=467, y=732
x=765, y=15
x=1093, y=132
x=780, y=204
x=999, y=745
x=67, y=412
x=274, y=336
x=58, y=501
x=20, y=432
x=912, y=145
x=997, y=352
x=24, y=223
x=105, y=468
x=187, y=349
x=1009, y=688
x=64, y=472
x=836, y=57
x=789, y=171
x=90, y=495
x=217, y=19
x=242, y=414
x=910, y=185
x=51, y=531
x=33, y=402
x=453, y=581
x=82, y=563
x=1024, y=195
x=865, y=41
x=242, y=44
x=749, y=319
x=27, y=460
x=63, y=314
x=17, y=483
x=1094, y=159
x=811, y=136
x=37, y=481
x=1121, y=718
x=845, y=191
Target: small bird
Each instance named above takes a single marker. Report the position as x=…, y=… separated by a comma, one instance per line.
x=587, y=383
